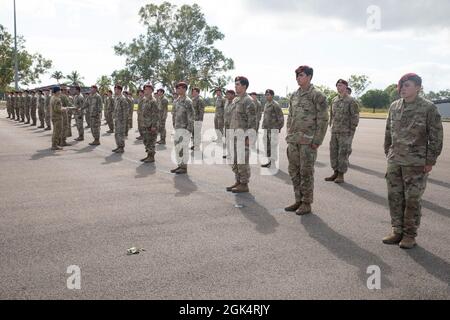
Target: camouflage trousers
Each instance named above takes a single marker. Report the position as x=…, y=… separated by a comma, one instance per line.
x=48, y=116
x=219, y=124
x=79, y=123
x=340, y=150
x=119, y=133
x=95, y=126
x=27, y=113
x=88, y=117
x=149, y=140
x=22, y=113
x=241, y=171
x=57, y=132
x=17, y=113
x=406, y=186
x=69, y=120
x=67, y=130
x=140, y=121
x=181, y=143
x=162, y=129
x=33, y=114
x=109, y=120
x=130, y=120
x=301, y=159
x=41, y=115
x=267, y=141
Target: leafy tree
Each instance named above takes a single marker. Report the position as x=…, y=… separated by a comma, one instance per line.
x=75, y=78
x=392, y=92
x=30, y=66
x=375, y=99
x=104, y=83
x=441, y=95
x=125, y=78
x=178, y=45
x=329, y=93
x=359, y=84
x=57, y=75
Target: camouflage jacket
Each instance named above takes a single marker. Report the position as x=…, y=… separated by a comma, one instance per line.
x=78, y=102
x=344, y=115
x=199, y=108
x=163, y=105
x=227, y=114
x=56, y=108
x=259, y=109
x=47, y=101
x=220, y=107
x=130, y=105
x=33, y=102
x=183, y=114
x=40, y=101
x=414, y=133
x=150, y=113
x=121, y=107
x=65, y=100
x=308, y=117
x=95, y=105
x=27, y=101
x=273, y=116
x=243, y=113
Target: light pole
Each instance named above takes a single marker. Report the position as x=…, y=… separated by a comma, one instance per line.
x=16, y=64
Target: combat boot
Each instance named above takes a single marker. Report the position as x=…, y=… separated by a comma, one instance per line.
x=41, y=126
x=305, y=208
x=119, y=150
x=339, y=178
x=80, y=138
x=109, y=131
x=241, y=188
x=393, y=238
x=150, y=158
x=407, y=242
x=173, y=170
x=140, y=138
x=48, y=128
x=56, y=148
x=181, y=171
x=293, y=207
x=267, y=165
x=333, y=177
x=229, y=189
x=96, y=142
x=143, y=159
x=65, y=144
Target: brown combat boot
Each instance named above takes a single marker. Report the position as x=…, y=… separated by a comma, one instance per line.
x=339, y=178
x=96, y=142
x=56, y=148
x=229, y=189
x=150, y=158
x=293, y=207
x=173, y=170
x=305, y=208
x=181, y=171
x=119, y=150
x=333, y=177
x=267, y=165
x=393, y=238
x=241, y=188
x=407, y=242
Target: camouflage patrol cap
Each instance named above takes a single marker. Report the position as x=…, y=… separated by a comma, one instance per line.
x=305, y=69
x=409, y=76
x=181, y=84
x=342, y=81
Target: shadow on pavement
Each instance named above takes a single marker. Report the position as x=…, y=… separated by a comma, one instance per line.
x=284, y=177
x=144, y=170
x=433, y=264
x=86, y=149
x=44, y=153
x=256, y=213
x=184, y=185
x=345, y=249
x=113, y=158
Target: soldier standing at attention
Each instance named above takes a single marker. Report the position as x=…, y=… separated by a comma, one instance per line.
x=47, y=110
x=120, y=118
x=33, y=108
x=219, y=114
x=95, y=106
x=8, y=104
x=163, y=105
x=199, y=110
x=150, y=123
x=109, y=111
x=344, y=120
x=183, y=114
x=27, y=105
x=57, y=118
x=306, y=128
x=242, y=118
x=130, y=100
x=41, y=106
x=413, y=142
x=66, y=129
x=230, y=95
x=21, y=100
x=259, y=109
x=273, y=119
x=139, y=114
x=78, y=102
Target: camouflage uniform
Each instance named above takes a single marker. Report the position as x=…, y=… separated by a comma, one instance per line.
x=33, y=108
x=66, y=129
x=150, y=120
x=130, y=114
x=48, y=111
x=273, y=119
x=183, y=119
x=8, y=104
x=413, y=139
x=41, y=113
x=27, y=107
x=87, y=111
x=120, y=116
x=95, y=107
x=219, y=115
x=110, y=113
x=163, y=105
x=57, y=120
x=306, y=124
x=199, y=111
x=243, y=117
x=78, y=102
x=21, y=102
x=343, y=122
x=15, y=106
x=259, y=112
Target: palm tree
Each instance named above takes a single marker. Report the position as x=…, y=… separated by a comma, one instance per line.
x=75, y=78
x=104, y=83
x=58, y=75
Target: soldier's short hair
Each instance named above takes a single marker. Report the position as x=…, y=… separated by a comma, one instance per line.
x=242, y=80
x=118, y=86
x=345, y=83
x=217, y=89
x=306, y=70
x=230, y=91
x=94, y=87
x=78, y=88
x=270, y=91
x=181, y=84
x=349, y=90
x=161, y=90
x=409, y=76
x=110, y=91
x=149, y=85
x=196, y=89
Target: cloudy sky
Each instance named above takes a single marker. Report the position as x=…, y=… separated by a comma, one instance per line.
x=267, y=39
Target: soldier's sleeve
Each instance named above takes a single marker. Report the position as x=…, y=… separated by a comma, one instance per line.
x=201, y=109
x=289, y=117
x=251, y=116
x=124, y=106
x=165, y=107
x=387, y=133
x=435, y=136
x=156, y=120
x=190, y=116
x=321, y=106
x=354, y=111
x=280, y=118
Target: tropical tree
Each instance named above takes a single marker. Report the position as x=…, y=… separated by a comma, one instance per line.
x=57, y=75
x=75, y=78
x=125, y=78
x=104, y=83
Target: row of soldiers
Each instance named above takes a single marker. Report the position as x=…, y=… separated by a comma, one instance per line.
x=413, y=137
